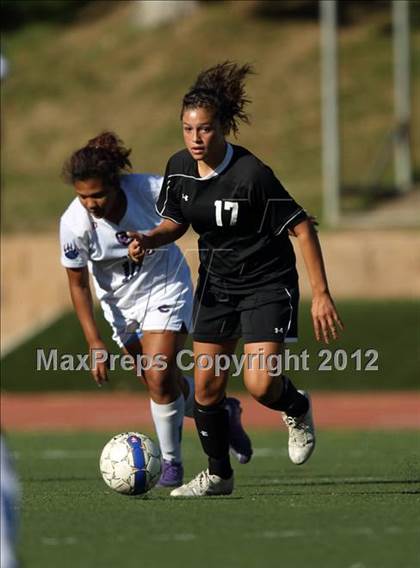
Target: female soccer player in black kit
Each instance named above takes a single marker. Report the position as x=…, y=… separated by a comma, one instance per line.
x=248, y=284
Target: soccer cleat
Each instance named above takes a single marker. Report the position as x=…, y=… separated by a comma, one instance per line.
x=301, y=434
x=205, y=484
x=239, y=442
x=172, y=474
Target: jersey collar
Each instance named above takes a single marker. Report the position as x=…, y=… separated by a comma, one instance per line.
x=223, y=165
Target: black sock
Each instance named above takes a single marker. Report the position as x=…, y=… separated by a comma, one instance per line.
x=291, y=401
x=212, y=424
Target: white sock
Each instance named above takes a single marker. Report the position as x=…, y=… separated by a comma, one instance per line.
x=168, y=419
x=189, y=401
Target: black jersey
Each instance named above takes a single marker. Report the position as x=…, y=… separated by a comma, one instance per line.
x=241, y=212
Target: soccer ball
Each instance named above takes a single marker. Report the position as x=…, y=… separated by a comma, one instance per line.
x=130, y=463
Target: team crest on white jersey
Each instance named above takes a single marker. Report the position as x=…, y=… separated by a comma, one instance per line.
x=123, y=238
x=71, y=251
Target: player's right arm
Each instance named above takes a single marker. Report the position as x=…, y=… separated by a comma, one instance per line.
x=81, y=297
x=168, y=206
x=167, y=232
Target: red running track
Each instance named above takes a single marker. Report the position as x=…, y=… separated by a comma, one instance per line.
x=117, y=411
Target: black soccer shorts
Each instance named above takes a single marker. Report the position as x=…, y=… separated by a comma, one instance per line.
x=263, y=315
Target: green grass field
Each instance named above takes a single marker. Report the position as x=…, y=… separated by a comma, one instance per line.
x=354, y=505
x=390, y=327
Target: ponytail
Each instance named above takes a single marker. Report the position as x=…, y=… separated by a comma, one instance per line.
x=222, y=89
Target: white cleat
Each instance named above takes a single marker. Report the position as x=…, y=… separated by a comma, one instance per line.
x=301, y=434
x=204, y=484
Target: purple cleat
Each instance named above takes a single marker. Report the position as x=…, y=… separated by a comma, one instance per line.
x=172, y=474
x=240, y=444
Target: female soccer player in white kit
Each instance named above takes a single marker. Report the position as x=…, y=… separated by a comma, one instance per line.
x=149, y=304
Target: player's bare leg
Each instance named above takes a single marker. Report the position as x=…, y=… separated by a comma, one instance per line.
x=163, y=381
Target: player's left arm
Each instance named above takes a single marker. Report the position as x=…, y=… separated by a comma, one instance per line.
x=311, y=218
x=326, y=320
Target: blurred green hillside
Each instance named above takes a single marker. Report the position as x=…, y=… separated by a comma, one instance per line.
x=68, y=82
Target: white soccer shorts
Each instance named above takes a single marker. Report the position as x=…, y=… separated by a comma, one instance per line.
x=166, y=307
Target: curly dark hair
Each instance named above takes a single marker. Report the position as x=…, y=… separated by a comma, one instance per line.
x=104, y=157
x=222, y=89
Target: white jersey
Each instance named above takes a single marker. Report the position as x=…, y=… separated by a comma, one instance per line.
x=102, y=246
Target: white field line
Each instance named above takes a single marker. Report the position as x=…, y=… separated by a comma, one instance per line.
x=282, y=451
x=357, y=531
x=180, y=537
x=365, y=531
x=333, y=478
x=59, y=454
x=52, y=541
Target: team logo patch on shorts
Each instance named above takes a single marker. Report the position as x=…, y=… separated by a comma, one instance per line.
x=71, y=251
